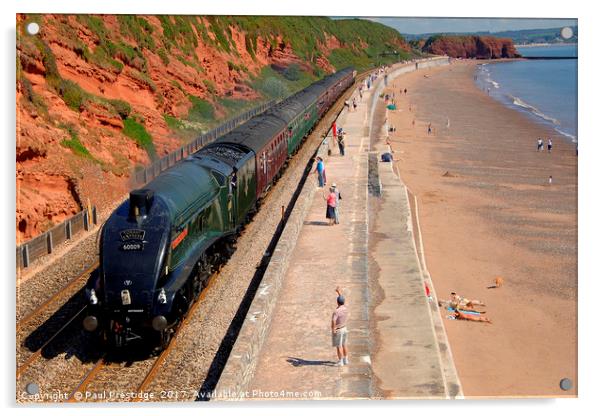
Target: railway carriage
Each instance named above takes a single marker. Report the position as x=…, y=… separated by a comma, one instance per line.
x=158, y=249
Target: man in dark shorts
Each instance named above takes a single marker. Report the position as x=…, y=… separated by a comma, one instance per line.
x=339, y=329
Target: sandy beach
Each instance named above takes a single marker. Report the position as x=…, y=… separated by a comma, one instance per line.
x=487, y=209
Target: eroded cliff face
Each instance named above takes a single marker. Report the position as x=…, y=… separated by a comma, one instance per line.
x=479, y=47
x=99, y=95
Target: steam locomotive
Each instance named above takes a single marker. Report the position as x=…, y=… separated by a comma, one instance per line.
x=158, y=248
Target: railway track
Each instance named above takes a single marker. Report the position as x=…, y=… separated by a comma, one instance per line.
x=214, y=315
x=72, y=283
x=42, y=313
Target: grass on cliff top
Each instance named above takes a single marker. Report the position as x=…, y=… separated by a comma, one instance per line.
x=136, y=131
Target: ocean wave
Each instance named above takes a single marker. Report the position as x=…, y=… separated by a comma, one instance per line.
x=492, y=82
x=520, y=103
x=565, y=134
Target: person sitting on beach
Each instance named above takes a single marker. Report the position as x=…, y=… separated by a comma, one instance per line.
x=457, y=301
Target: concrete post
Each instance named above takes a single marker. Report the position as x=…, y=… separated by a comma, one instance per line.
x=94, y=215
x=86, y=223
x=49, y=245
x=25, y=256
x=68, y=230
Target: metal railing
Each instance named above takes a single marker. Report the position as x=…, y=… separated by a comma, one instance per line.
x=44, y=243
x=142, y=176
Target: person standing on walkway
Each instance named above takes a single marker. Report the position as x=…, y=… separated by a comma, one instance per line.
x=341, y=142
x=338, y=325
x=337, y=199
x=549, y=145
x=354, y=103
x=331, y=203
x=320, y=171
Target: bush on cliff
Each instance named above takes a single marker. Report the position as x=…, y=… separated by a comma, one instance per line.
x=136, y=131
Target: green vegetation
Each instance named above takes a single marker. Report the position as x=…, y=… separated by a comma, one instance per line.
x=176, y=84
x=172, y=122
x=270, y=83
x=122, y=108
x=143, y=79
x=281, y=82
x=30, y=96
x=190, y=63
x=233, y=67
x=138, y=29
x=182, y=129
x=178, y=33
x=201, y=111
x=219, y=27
x=163, y=55
x=210, y=85
x=234, y=107
x=107, y=51
x=74, y=143
x=136, y=131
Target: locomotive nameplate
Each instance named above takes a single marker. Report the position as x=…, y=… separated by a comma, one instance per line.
x=132, y=234
x=133, y=246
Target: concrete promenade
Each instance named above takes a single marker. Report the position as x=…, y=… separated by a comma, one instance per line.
x=396, y=349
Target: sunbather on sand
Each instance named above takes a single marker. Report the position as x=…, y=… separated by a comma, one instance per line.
x=468, y=317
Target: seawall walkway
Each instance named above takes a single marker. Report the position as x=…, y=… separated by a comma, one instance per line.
x=396, y=349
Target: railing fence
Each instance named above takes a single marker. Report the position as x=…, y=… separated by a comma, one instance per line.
x=45, y=243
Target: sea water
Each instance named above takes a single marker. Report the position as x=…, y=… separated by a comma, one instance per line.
x=544, y=89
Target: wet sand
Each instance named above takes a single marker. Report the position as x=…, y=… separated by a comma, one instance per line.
x=486, y=210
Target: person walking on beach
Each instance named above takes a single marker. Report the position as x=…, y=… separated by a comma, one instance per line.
x=549, y=145
x=550, y=180
x=320, y=171
x=405, y=91
x=338, y=327
x=337, y=199
x=430, y=130
x=354, y=103
x=539, y=145
x=331, y=203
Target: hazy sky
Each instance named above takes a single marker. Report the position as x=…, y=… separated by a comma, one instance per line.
x=417, y=25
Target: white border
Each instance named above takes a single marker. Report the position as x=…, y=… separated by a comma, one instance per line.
x=589, y=174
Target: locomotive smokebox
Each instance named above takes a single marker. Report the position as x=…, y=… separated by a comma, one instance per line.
x=140, y=202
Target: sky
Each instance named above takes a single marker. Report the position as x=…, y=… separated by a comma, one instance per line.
x=418, y=25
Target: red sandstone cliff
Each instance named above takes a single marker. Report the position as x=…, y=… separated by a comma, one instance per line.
x=479, y=47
